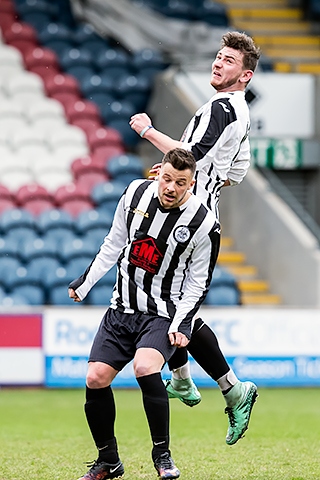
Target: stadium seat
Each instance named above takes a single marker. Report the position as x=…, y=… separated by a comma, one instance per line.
x=77, y=248
x=41, y=56
x=107, y=195
x=148, y=62
x=39, y=247
x=29, y=142
x=117, y=109
x=69, y=192
x=34, y=198
x=93, y=220
x=20, y=32
x=25, y=88
x=100, y=295
x=57, y=224
x=11, y=221
x=54, y=178
x=94, y=83
x=125, y=168
x=76, y=57
x=88, y=125
x=105, y=137
x=46, y=114
x=82, y=109
x=129, y=136
x=13, y=299
x=223, y=295
x=58, y=295
x=56, y=36
x=61, y=83
x=87, y=181
x=77, y=266
x=34, y=294
x=135, y=89
x=86, y=164
x=11, y=116
x=11, y=60
x=113, y=58
x=9, y=248
x=40, y=267
x=57, y=277
x=68, y=140
x=83, y=33
x=103, y=153
x=6, y=204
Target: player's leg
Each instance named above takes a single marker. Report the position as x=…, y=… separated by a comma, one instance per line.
x=100, y=413
x=181, y=385
x=153, y=350
x=239, y=396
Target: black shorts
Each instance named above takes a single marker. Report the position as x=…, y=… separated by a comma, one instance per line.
x=121, y=334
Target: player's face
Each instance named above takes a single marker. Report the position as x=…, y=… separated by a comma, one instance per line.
x=227, y=73
x=174, y=186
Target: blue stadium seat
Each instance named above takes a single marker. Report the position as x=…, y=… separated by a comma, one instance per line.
x=223, y=295
x=13, y=299
x=92, y=220
x=55, y=32
x=101, y=98
x=76, y=249
x=100, y=295
x=130, y=137
x=125, y=168
x=84, y=32
x=77, y=266
x=135, y=89
x=148, y=58
x=9, y=248
x=39, y=247
x=34, y=294
x=58, y=295
x=117, y=109
x=107, y=195
x=111, y=58
x=40, y=267
x=77, y=62
x=94, y=83
x=57, y=277
x=7, y=265
x=55, y=220
x=222, y=277
x=213, y=13
x=18, y=223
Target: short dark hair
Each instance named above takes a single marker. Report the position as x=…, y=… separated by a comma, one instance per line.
x=245, y=44
x=180, y=159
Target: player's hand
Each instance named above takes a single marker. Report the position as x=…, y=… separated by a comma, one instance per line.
x=139, y=121
x=178, y=339
x=72, y=294
x=154, y=171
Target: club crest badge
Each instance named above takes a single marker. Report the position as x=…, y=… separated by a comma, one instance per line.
x=181, y=234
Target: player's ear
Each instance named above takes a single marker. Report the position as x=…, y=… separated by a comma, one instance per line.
x=192, y=183
x=246, y=76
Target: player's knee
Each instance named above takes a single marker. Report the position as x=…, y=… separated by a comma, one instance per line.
x=94, y=380
x=141, y=370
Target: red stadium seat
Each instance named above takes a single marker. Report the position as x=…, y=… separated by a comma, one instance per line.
x=38, y=205
x=87, y=164
x=83, y=109
x=32, y=191
x=75, y=207
x=88, y=125
x=61, y=83
x=19, y=31
x=103, y=137
x=68, y=192
x=41, y=56
x=87, y=180
x=105, y=152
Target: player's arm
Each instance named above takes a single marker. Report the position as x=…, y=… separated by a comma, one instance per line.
x=142, y=125
x=199, y=275
x=105, y=259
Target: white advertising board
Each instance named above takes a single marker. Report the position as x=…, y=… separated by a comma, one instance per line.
x=273, y=347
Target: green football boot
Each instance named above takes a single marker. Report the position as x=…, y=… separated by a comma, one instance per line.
x=240, y=401
x=185, y=390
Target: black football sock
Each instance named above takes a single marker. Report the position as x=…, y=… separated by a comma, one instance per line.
x=156, y=406
x=101, y=413
x=204, y=348
x=178, y=359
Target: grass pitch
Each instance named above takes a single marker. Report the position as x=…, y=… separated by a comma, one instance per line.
x=44, y=436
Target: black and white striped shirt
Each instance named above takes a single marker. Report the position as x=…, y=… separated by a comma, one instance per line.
x=217, y=135
x=165, y=257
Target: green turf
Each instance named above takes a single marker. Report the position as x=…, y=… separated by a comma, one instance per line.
x=44, y=436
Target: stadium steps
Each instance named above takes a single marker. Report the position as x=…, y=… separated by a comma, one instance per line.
x=281, y=32
x=254, y=291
